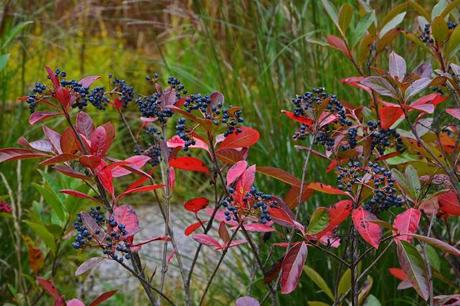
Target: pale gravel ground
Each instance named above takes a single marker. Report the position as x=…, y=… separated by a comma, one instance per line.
x=110, y=275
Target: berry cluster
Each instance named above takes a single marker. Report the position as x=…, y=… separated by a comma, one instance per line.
x=125, y=91
x=311, y=105
x=215, y=112
x=113, y=239
x=38, y=90
x=181, y=132
x=385, y=194
x=79, y=92
x=384, y=138
x=425, y=36
x=152, y=106
x=324, y=137
x=255, y=203
x=351, y=136
x=98, y=98
x=349, y=175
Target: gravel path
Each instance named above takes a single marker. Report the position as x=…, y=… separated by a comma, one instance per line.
x=110, y=275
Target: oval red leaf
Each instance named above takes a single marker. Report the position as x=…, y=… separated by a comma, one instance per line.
x=196, y=204
x=291, y=268
x=246, y=138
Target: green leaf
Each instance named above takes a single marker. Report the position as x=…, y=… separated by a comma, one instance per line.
x=52, y=199
x=454, y=42
x=319, y=281
x=412, y=263
x=440, y=29
x=393, y=23
x=319, y=221
x=12, y=33
x=3, y=61
x=438, y=8
x=433, y=257
x=372, y=301
x=44, y=234
x=345, y=282
x=362, y=27
x=413, y=180
x=331, y=11
x=345, y=14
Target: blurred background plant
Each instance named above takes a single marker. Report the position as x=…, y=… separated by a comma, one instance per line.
x=258, y=53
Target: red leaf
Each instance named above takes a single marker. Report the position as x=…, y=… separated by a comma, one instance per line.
x=69, y=144
x=139, y=189
x=84, y=124
x=189, y=164
x=454, y=112
x=398, y=273
x=325, y=188
x=223, y=232
x=258, y=227
x=236, y=171
x=356, y=82
x=191, y=228
x=52, y=76
x=389, y=115
x=207, y=240
x=232, y=244
x=369, y=231
x=337, y=214
x=49, y=287
x=89, y=80
x=54, y=137
x=40, y=116
x=434, y=98
x=78, y=194
x=105, y=177
x=177, y=142
x=406, y=223
x=103, y=297
x=280, y=175
x=338, y=43
x=292, y=266
x=69, y=171
x=98, y=142
x=90, y=161
x=302, y=119
x=40, y=145
x=248, y=137
x=126, y=215
x=231, y=156
x=58, y=159
x=196, y=204
x=17, y=153
x=449, y=204
x=280, y=216
x=63, y=96
x=136, y=161
x=247, y=180
x=88, y=265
